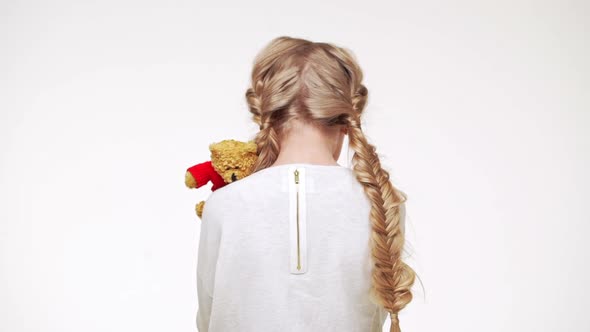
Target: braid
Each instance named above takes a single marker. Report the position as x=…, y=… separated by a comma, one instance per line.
x=359, y=100
x=267, y=139
x=394, y=321
x=254, y=105
x=391, y=277
x=272, y=98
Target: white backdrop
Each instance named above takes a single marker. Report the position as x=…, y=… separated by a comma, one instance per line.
x=481, y=111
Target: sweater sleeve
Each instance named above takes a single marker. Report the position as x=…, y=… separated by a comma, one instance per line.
x=209, y=240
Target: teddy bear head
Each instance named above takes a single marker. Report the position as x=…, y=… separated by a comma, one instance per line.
x=233, y=160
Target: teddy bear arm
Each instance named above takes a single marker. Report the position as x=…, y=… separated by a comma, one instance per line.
x=200, y=175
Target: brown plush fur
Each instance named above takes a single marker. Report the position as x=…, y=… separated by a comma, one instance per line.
x=228, y=157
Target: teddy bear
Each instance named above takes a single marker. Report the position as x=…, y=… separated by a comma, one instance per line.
x=231, y=160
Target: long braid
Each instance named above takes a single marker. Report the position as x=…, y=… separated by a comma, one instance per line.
x=391, y=277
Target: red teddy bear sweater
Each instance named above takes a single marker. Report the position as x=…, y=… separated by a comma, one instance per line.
x=204, y=172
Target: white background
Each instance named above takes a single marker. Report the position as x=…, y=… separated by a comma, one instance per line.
x=481, y=111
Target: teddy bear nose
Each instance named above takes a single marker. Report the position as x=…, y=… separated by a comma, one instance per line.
x=234, y=177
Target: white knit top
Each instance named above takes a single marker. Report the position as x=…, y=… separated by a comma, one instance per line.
x=287, y=249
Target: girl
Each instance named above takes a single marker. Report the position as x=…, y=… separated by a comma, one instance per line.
x=304, y=244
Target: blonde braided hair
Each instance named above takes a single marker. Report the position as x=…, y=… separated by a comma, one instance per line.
x=320, y=84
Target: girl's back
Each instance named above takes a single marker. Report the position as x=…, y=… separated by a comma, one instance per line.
x=287, y=249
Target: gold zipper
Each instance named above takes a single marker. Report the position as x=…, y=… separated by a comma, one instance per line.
x=297, y=208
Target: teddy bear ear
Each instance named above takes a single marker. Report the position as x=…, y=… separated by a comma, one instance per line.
x=214, y=146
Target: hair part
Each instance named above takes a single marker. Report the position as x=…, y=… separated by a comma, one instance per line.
x=321, y=84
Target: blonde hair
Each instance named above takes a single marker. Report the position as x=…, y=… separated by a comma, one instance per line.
x=320, y=84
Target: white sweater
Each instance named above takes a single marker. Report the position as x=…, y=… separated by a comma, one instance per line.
x=276, y=255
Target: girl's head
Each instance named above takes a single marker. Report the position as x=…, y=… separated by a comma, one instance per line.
x=298, y=81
